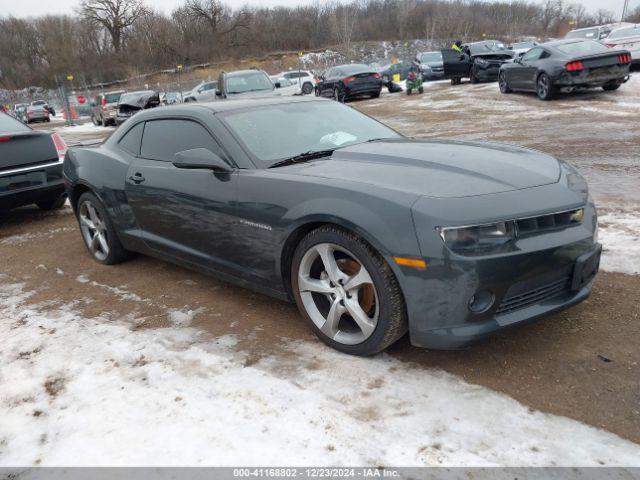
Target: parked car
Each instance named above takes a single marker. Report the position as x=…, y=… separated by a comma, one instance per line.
x=37, y=113
x=387, y=72
x=30, y=166
x=285, y=86
x=627, y=38
x=345, y=82
x=245, y=83
x=567, y=66
x=42, y=103
x=133, y=102
x=203, y=92
x=304, y=79
x=170, y=98
x=430, y=64
x=520, y=48
x=104, y=107
x=485, y=58
x=599, y=32
x=372, y=234
x=19, y=111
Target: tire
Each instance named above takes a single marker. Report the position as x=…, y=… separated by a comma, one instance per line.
x=307, y=88
x=95, y=122
x=337, y=97
x=408, y=91
x=375, y=95
x=611, y=86
x=420, y=90
x=99, y=233
x=377, y=302
x=53, y=203
x=472, y=75
x=503, y=83
x=544, y=87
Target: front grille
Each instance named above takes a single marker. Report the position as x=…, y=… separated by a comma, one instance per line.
x=537, y=295
x=534, y=225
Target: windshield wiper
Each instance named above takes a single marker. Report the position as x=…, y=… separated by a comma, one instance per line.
x=303, y=157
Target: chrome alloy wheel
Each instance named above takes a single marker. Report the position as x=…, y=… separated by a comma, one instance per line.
x=338, y=293
x=94, y=230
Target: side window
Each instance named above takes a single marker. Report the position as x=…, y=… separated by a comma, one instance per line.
x=533, y=54
x=131, y=140
x=545, y=54
x=162, y=139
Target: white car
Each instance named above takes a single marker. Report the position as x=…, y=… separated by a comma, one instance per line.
x=203, y=92
x=286, y=86
x=303, y=79
x=626, y=38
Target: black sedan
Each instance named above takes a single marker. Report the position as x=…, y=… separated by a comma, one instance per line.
x=133, y=102
x=30, y=166
x=370, y=233
x=566, y=66
x=348, y=81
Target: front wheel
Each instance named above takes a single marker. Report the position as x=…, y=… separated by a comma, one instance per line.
x=347, y=292
x=472, y=75
x=544, y=87
x=611, y=86
x=503, y=83
x=98, y=232
x=307, y=88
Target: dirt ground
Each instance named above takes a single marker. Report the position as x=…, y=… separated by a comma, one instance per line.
x=583, y=363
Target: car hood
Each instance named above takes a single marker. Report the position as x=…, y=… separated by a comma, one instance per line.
x=437, y=168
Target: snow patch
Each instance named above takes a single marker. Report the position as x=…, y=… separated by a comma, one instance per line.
x=619, y=233
x=93, y=391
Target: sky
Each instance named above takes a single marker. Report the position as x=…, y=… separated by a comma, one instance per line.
x=24, y=8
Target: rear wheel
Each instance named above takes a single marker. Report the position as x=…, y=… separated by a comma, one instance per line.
x=347, y=292
x=420, y=90
x=503, y=83
x=611, y=86
x=337, y=96
x=94, y=120
x=307, y=88
x=544, y=87
x=408, y=91
x=52, y=203
x=97, y=231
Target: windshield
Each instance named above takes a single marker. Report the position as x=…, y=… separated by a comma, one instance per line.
x=486, y=47
x=276, y=132
x=586, y=47
x=248, y=82
x=626, y=32
x=112, y=97
x=431, y=57
x=586, y=33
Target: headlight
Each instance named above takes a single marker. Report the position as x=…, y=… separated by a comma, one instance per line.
x=481, y=61
x=478, y=239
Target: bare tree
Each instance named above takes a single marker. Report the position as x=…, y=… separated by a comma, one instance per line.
x=115, y=16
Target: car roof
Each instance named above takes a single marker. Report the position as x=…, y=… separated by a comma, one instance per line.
x=565, y=41
x=238, y=73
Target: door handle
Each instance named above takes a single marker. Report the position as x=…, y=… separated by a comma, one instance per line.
x=137, y=178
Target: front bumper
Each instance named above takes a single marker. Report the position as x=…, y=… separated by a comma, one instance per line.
x=524, y=301
x=487, y=73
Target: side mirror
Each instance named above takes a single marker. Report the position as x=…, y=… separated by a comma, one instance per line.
x=201, y=158
x=278, y=85
x=218, y=93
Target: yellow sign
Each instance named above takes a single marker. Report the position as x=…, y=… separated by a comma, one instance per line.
x=300, y=54
x=69, y=77
x=179, y=67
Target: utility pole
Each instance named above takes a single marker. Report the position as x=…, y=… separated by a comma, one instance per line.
x=179, y=69
x=624, y=10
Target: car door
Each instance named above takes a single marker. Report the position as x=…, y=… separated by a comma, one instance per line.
x=526, y=73
x=326, y=83
x=186, y=213
x=456, y=64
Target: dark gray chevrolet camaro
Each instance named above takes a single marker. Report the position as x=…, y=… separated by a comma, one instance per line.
x=371, y=233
